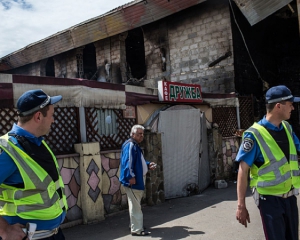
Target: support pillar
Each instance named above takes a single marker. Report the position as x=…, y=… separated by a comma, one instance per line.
x=91, y=182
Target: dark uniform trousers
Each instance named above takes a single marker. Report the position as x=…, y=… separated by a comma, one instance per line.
x=279, y=217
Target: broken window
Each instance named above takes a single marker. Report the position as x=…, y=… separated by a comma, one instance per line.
x=50, y=70
x=135, y=54
x=89, y=62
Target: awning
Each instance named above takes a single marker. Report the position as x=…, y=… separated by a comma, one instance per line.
x=75, y=92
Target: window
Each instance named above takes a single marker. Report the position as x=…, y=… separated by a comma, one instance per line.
x=89, y=62
x=135, y=54
x=50, y=70
x=107, y=122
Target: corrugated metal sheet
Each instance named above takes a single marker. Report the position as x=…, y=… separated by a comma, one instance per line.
x=257, y=10
x=126, y=17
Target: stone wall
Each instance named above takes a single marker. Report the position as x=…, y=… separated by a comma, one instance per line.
x=155, y=179
x=214, y=139
x=230, y=147
x=222, y=154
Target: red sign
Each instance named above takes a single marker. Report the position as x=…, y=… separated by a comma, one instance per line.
x=179, y=92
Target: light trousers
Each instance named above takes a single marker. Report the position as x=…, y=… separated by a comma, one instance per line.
x=135, y=209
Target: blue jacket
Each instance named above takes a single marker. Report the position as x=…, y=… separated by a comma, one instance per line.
x=131, y=165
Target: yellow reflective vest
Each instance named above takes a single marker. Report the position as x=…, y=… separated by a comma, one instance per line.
x=277, y=175
x=39, y=198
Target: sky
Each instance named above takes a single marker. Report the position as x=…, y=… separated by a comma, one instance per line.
x=23, y=22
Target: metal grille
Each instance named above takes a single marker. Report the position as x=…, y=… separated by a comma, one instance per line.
x=80, y=71
x=246, y=112
x=64, y=131
x=8, y=116
x=226, y=117
x=112, y=141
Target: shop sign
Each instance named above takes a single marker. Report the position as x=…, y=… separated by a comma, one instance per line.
x=129, y=112
x=179, y=92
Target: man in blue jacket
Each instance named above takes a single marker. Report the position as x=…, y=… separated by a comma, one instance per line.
x=132, y=176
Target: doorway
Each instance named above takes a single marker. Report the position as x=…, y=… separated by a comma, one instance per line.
x=184, y=151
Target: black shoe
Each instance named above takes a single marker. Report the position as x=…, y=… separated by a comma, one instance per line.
x=142, y=233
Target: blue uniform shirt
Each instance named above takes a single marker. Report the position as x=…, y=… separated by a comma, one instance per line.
x=9, y=174
x=250, y=152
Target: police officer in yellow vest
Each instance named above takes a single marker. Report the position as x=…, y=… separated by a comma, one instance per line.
x=269, y=149
x=31, y=187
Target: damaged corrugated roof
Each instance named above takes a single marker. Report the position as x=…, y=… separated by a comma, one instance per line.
x=121, y=19
x=257, y=10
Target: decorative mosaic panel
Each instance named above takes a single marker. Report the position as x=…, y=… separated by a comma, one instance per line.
x=114, y=197
x=69, y=169
x=93, y=180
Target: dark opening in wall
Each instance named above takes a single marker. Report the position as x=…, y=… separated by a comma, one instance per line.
x=274, y=46
x=50, y=70
x=89, y=61
x=135, y=54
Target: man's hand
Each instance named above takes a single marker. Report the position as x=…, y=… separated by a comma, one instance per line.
x=14, y=232
x=242, y=215
x=152, y=165
x=132, y=181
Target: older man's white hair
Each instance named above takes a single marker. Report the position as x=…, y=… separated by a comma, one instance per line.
x=135, y=128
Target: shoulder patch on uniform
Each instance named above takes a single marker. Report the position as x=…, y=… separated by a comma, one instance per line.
x=247, y=144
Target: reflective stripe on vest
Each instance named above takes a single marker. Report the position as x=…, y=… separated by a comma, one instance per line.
x=14, y=201
x=274, y=165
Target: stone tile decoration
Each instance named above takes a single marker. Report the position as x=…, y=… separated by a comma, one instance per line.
x=230, y=147
x=69, y=168
x=114, y=197
x=93, y=180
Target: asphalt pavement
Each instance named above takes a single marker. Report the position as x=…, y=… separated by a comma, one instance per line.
x=209, y=215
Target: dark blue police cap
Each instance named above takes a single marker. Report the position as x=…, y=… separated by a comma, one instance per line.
x=33, y=100
x=280, y=93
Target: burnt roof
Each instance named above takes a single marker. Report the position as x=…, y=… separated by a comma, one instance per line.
x=128, y=16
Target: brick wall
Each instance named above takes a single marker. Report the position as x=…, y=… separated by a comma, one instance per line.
x=197, y=37
x=30, y=69
x=103, y=56
x=192, y=39
x=66, y=64
x=156, y=39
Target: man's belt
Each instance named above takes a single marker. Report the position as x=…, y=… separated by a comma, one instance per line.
x=32, y=234
x=257, y=196
x=294, y=191
x=44, y=234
